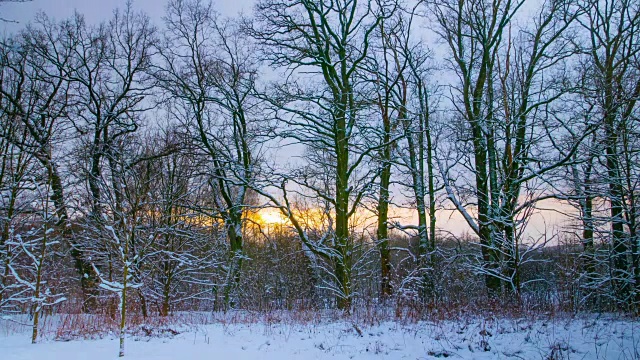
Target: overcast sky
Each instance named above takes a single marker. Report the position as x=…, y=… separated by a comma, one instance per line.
x=97, y=10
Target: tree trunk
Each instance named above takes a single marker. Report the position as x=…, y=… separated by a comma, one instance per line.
x=342, y=242
x=236, y=256
x=143, y=304
x=123, y=309
x=88, y=277
x=38, y=286
x=382, y=232
x=618, y=242
x=484, y=218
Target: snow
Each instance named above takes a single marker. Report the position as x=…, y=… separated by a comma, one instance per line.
x=473, y=338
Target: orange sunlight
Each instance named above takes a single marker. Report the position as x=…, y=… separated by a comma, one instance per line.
x=271, y=217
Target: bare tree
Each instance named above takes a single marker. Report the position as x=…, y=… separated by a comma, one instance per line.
x=209, y=72
x=107, y=76
x=321, y=46
x=16, y=167
x=36, y=96
x=612, y=88
x=32, y=240
x=124, y=196
x=415, y=95
x=182, y=258
x=508, y=107
x=399, y=68
x=386, y=74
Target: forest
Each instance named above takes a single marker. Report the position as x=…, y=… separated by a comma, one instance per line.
x=322, y=154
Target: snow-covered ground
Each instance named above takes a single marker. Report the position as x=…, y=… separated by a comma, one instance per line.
x=473, y=338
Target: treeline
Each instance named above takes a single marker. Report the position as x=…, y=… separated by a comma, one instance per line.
x=138, y=160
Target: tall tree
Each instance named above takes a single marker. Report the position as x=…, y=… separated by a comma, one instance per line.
x=613, y=88
x=38, y=98
x=329, y=39
x=209, y=72
x=107, y=77
x=399, y=67
x=505, y=98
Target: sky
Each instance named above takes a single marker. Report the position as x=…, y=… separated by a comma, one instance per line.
x=97, y=10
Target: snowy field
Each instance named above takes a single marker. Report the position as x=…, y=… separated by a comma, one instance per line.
x=586, y=338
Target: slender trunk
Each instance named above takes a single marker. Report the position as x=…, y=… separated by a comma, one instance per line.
x=484, y=217
x=474, y=99
x=166, y=290
x=432, y=189
x=587, y=233
x=587, y=241
x=143, y=304
x=512, y=270
x=583, y=187
x=635, y=259
x=38, y=286
x=342, y=244
x=618, y=242
x=635, y=247
x=123, y=308
x=4, y=238
x=502, y=247
x=631, y=210
x=427, y=241
x=382, y=232
x=36, y=319
x=236, y=256
x=431, y=239
x=165, y=301
x=88, y=278
x=587, y=222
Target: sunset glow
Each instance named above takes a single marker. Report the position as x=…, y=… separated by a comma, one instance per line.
x=272, y=217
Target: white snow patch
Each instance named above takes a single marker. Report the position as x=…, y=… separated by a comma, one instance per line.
x=476, y=338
